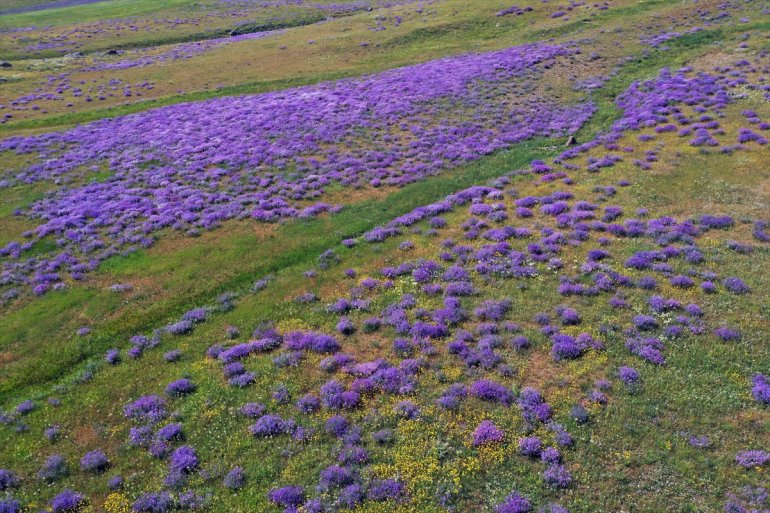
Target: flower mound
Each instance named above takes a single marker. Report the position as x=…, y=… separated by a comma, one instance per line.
x=487, y=433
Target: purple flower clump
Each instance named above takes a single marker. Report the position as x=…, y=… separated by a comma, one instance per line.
x=94, y=461
x=67, y=501
x=488, y=390
x=235, y=479
x=269, y=426
x=287, y=496
x=180, y=387
x=760, y=390
x=161, y=502
x=8, y=480
x=530, y=447
x=184, y=459
x=487, y=433
x=514, y=503
x=752, y=458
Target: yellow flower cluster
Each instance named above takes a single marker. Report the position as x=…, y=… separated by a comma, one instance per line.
x=287, y=325
x=117, y=503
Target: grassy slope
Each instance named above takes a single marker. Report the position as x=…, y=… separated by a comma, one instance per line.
x=232, y=258
x=633, y=448
x=90, y=12
x=454, y=29
x=184, y=286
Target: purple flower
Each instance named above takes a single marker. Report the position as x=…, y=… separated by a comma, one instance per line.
x=514, y=503
x=243, y=380
x=252, y=410
x=383, y=436
x=8, y=480
x=115, y=483
x=190, y=500
x=727, y=334
x=180, y=387
x=628, y=375
x=570, y=316
x=557, y=476
x=407, y=410
x=753, y=458
x=716, y=222
x=387, y=490
x=112, y=356
x=699, y=442
x=170, y=432
x=563, y=438
x=53, y=469
x=184, y=459
x=520, y=342
x=172, y=356
x=153, y=503
x=487, y=433
x=346, y=326
x=350, y=496
x=235, y=479
x=67, y=501
x=287, y=496
x=550, y=455
x=9, y=506
x=488, y=390
x=530, y=446
x=196, y=315
x=736, y=285
x=645, y=322
x=269, y=426
x=760, y=391
x=309, y=404
x=682, y=281
x=281, y=394
x=337, y=426
x=94, y=461
x=566, y=347
x=25, y=407
x=335, y=476
x=647, y=283
x=180, y=328
x=149, y=408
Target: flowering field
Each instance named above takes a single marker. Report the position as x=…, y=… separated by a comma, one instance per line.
x=485, y=259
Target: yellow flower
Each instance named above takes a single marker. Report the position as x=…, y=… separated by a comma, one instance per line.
x=287, y=325
x=117, y=503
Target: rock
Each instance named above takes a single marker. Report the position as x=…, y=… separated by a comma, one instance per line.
x=112, y=52
x=571, y=141
x=5, y=64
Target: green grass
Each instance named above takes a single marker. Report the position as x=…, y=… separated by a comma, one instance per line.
x=290, y=20
x=90, y=12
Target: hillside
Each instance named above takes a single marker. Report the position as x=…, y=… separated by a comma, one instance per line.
x=384, y=256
